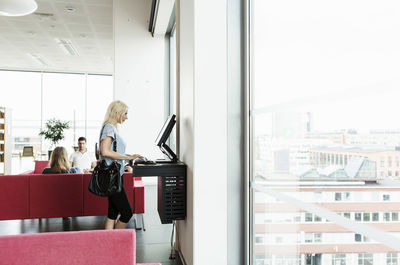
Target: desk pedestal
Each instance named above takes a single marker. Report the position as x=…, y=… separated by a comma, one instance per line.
x=171, y=188
x=171, y=197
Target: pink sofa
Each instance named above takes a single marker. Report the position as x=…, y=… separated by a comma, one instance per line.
x=66, y=248
x=41, y=196
x=39, y=166
x=28, y=196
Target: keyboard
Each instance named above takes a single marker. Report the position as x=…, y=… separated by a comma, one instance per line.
x=143, y=161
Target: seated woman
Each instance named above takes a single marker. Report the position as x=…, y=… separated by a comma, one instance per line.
x=59, y=163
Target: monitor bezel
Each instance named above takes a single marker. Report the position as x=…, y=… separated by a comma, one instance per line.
x=166, y=130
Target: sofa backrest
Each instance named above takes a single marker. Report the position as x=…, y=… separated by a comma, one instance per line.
x=83, y=247
x=40, y=165
x=55, y=195
x=14, y=197
x=27, y=196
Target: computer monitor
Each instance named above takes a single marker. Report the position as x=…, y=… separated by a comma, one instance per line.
x=163, y=137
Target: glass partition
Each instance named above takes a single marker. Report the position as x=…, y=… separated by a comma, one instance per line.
x=325, y=140
x=21, y=93
x=64, y=98
x=35, y=97
x=99, y=96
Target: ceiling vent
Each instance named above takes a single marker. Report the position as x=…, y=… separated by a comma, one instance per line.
x=37, y=59
x=44, y=16
x=67, y=47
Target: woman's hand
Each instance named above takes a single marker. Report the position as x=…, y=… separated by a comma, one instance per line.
x=128, y=169
x=132, y=157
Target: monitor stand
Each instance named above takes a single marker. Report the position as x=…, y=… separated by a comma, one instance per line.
x=170, y=154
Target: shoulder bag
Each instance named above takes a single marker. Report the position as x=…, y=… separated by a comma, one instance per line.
x=106, y=180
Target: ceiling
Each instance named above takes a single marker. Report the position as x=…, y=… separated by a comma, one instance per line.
x=32, y=42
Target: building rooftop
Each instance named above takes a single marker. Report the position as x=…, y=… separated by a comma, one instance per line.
x=356, y=148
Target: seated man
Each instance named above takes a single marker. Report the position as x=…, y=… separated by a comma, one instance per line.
x=82, y=158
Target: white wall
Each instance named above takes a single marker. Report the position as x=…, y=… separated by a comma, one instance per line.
x=202, y=86
x=202, y=111
x=139, y=76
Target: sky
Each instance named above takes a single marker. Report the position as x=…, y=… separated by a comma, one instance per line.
x=339, y=60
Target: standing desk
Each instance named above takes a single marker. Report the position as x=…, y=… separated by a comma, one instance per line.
x=171, y=188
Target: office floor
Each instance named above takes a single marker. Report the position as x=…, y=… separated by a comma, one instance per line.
x=153, y=245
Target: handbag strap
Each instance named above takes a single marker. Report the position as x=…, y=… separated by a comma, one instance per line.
x=115, y=141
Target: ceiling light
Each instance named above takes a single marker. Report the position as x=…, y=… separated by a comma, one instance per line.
x=67, y=46
x=37, y=58
x=15, y=8
x=70, y=9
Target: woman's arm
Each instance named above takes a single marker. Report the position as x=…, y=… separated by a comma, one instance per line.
x=107, y=152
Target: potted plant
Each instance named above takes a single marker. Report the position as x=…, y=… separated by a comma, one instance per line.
x=54, y=132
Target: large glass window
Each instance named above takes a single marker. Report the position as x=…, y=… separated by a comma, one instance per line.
x=324, y=79
x=21, y=94
x=34, y=97
x=64, y=99
x=172, y=84
x=99, y=96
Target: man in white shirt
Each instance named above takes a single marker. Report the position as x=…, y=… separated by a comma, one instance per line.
x=83, y=159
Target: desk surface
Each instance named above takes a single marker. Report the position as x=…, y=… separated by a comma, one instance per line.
x=159, y=169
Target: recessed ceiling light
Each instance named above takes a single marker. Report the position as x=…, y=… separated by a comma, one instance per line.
x=37, y=58
x=67, y=46
x=70, y=9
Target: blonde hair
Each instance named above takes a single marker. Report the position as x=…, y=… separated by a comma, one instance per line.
x=114, y=112
x=59, y=160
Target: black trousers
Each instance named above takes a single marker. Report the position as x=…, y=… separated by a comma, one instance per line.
x=119, y=204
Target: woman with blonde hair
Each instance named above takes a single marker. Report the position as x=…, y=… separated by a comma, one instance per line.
x=59, y=163
x=118, y=203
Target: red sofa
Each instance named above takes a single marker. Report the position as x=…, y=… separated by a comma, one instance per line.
x=84, y=247
x=63, y=205
x=28, y=196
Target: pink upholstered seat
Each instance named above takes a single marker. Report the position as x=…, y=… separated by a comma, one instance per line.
x=14, y=197
x=95, y=247
x=52, y=195
x=55, y=195
x=40, y=165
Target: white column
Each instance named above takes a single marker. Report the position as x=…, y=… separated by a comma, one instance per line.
x=202, y=75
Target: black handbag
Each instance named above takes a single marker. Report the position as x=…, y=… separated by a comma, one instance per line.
x=106, y=180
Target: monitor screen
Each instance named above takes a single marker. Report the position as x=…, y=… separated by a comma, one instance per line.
x=166, y=130
x=163, y=137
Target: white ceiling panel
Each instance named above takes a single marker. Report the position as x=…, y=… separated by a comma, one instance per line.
x=103, y=28
x=102, y=20
x=44, y=7
x=80, y=28
x=100, y=11
x=99, y=2
x=87, y=24
x=82, y=20
x=69, y=1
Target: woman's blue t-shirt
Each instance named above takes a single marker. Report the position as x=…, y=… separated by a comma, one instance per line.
x=111, y=131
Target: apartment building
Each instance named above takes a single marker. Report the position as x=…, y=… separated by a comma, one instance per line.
x=285, y=234
x=387, y=158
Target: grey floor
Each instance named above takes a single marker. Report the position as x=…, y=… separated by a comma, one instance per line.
x=152, y=245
